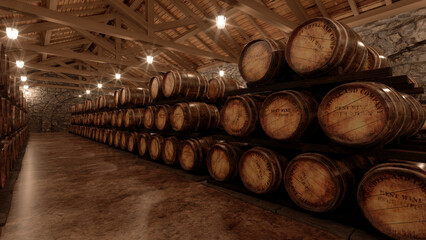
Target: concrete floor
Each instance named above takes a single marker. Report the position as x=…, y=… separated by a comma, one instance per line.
x=73, y=188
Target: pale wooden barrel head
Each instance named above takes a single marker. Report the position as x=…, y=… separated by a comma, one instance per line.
x=255, y=60
x=124, y=139
x=280, y=116
x=120, y=117
x=154, y=88
x=353, y=114
x=311, y=46
x=393, y=200
x=213, y=89
x=127, y=115
x=161, y=118
x=218, y=163
x=256, y=172
x=178, y=118
x=187, y=157
x=235, y=117
x=154, y=148
x=117, y=139
x=168, y=84
x=310, y=184
x=143, y=146
x=131, y=143
x=169, y=151
x=148, y=118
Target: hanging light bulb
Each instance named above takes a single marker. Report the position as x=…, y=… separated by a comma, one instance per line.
x=117, y=76
x=12, y=33
x=87, y=91
x=25, y=87
x=19, y=63
x=220, y=22
x=99, y=85
x=149, y=59
x=221, y=73
x=79, y=95
x=23, y=78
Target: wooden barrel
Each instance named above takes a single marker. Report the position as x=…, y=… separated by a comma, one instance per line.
x=3, y=166
x=162, y=117
x=134, y=117
x=170, y=150
x=192, y=153
x=105, y=136
x=424, y=111
x=149, y=117
x=194, y=116
x=263, y=61
x=143, y=143
x=114, y=118
x=106, y=118
x=222, y=161
x=240, y=115
x=375, y=60
x=107, y=102
x=416, y=84
x=97, y=134
x=187, y=84
x=289, y=115
x=132, y=143
x=124, y=140
x=155, y=88
x=117, y=139
x=391, y=196
x=111, y=137
x=120, y=118
x=321, y=45
x=364, y=114
x=117, y=97
x=261, y=170
x=318, y=183
x=134, y=97
x=219, y=86
x=156, y=147
x=418, y=116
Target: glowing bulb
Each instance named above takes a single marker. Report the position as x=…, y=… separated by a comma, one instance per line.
x=221, y=73
x=27, y=92
x=79, y=95
x=12, y=33
x=149, y=59
x=87, y=91
x=220, y=22
x=23, y=78
x=25, y=87
x=99, y=85
x=19, y=63
x=117, y=76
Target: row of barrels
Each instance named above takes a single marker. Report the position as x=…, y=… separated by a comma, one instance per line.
x=11, y=146
x=315, y=48
x=214, y=89
x=315, y=182
x=11, y=117
x=190, y=116
x=360, y=114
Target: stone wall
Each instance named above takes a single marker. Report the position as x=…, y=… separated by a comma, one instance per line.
x=402, y=38
x=49, y=108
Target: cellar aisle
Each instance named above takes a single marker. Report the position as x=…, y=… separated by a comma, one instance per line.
x=73, y=188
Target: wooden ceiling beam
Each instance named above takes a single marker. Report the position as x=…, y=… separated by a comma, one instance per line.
x=174, y=24
x=128, y=12
x=322, y=9
x=101, y=42
x=388, y=2
x=384, y=12
x=135, y=4
x=149, y=5
x=353, y=6
x=298, y=10
x=81, y=23
x=260, y=11
x=47, y=35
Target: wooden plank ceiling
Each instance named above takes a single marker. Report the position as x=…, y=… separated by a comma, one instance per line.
x=79, y=43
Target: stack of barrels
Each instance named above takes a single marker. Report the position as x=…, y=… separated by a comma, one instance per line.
x=359, y=115
x=13, y=119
